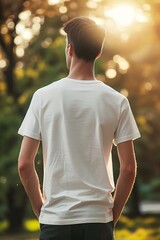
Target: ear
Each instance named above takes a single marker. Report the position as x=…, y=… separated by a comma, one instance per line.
x=70, y=49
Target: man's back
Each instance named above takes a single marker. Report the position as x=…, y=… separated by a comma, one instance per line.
x=78, y=121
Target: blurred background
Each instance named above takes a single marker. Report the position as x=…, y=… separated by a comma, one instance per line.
x=32, y=45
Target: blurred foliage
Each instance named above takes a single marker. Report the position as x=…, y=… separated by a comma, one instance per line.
x=32, y=59
x=139, y=228
x=9, y=122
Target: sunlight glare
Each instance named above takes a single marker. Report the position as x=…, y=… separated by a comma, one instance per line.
x=146, y=7
x=124, y=36
x=140, y=17
x=123, y=15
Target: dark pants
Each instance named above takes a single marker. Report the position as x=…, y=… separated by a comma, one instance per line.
x=84, y=231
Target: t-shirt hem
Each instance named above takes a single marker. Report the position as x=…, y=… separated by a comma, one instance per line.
x=29, y=134
x=126, y=138
x=74, y=221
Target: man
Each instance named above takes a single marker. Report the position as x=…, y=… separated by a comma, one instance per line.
x=77, y=119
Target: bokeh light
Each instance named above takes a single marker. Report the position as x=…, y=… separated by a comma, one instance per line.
x=122, y=63
x=28, y=27
x=25, y=15
x=124, y=92
x=63, y=9
x=148, y=86
x=20, y=52
x=3, y=63
x=111, y=73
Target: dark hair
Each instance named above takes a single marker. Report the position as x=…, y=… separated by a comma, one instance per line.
x=86, y=36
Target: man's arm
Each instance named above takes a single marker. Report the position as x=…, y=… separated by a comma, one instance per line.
x=28, y=174
x=126, y=178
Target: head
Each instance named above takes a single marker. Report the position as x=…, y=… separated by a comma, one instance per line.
x=84, y=39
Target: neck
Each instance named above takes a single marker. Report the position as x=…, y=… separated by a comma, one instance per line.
x=81, y=70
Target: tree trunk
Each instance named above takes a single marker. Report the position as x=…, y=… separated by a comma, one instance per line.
x=9, y=75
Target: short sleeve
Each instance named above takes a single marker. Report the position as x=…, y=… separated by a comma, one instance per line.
x=127, y=128
x=30, y=125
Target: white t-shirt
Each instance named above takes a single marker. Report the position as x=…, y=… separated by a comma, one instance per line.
x=78, y=121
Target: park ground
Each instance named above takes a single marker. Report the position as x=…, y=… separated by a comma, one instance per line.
x=142, y=228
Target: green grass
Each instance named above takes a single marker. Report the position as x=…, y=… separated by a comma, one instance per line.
x=143, y=228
